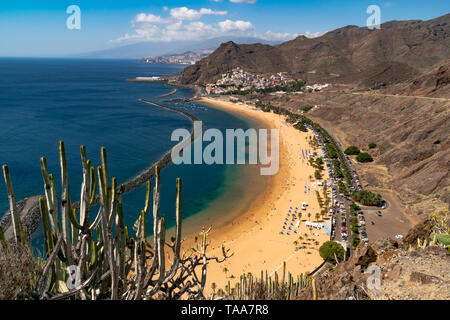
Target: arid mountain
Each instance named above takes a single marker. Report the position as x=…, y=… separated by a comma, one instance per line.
x=432, y=83
x=399, y=51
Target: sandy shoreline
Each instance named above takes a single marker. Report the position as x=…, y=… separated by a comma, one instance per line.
x=255, y=237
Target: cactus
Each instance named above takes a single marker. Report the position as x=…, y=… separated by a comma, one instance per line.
x=103, y=249
x=265, y=288
x=17, y=225
x=314, y=289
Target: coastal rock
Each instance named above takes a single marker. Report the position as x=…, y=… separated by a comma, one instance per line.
x=395, y=273
x=29, y=214
x=423, y=278
x=420, y=231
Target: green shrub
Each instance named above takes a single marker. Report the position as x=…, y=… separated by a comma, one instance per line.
x=364, y=157
x=372, y=145
x=442, y=238
x=300, y=126
x=305, y=109
x=329, y=249
x=352, y=150
x=367, y=198
x=317, y=175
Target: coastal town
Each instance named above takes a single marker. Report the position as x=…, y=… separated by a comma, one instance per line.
x=241, y=81
x=187, y=58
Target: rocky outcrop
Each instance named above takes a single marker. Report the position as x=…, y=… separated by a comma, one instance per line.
x=30, y=217
x=402, y=274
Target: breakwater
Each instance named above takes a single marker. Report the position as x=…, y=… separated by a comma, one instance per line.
x=168, y=94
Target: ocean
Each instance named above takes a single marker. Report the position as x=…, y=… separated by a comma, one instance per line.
x=89, y=102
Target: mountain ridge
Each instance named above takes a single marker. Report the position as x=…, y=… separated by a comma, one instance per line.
x=350, y=54
x=146, y=49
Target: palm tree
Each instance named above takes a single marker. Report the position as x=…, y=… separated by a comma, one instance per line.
x=225, y=270
x=213, y=287
x=317, y=216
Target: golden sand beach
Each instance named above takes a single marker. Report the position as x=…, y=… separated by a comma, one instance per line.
x=254, y=237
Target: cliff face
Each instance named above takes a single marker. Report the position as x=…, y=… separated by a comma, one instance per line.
x=372, y=58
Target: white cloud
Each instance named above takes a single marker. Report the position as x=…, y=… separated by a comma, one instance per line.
x=239, y=25
x=315, y=34
x=184, y=24
x=184, y=13
x=148, y=18
x=278, y=36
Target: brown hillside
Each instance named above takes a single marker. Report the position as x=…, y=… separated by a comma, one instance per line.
x=373, y=58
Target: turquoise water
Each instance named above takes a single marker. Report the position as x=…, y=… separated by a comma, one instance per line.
x=88, y=102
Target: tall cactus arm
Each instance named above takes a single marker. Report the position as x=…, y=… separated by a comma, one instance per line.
x=148, y=196
x=82, y=263
x=97, y=220
x=139, y=259
x=122, y=241
x=49, y=196
x=102, y=187
x=179, y=220
x=104, y=167
x=65, y=202
x=177, y=244
x=12, y=206
x=113, y=203
x=143, y=230
x=161, y=238
x=93, y=259
x=156, y=195
x=73, y=219
x=93, y=187
x=53, y=210
x=103, y=207
x=46, y=226
x=43, y=276
x=85, y=199
x=113, y=268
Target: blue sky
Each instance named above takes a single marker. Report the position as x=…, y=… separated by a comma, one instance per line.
x=38, y=28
